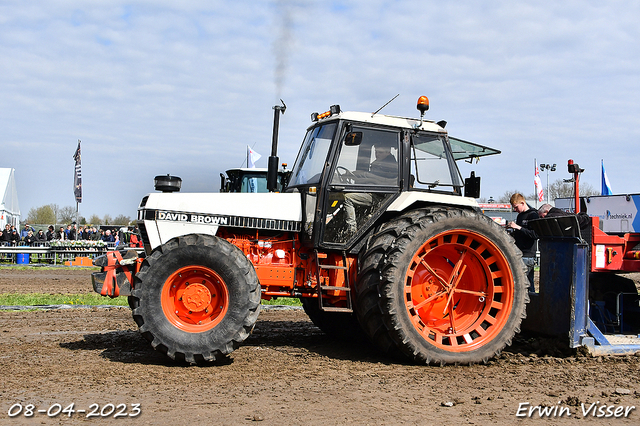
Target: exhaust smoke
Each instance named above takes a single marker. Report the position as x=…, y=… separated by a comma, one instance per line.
x=283, y=43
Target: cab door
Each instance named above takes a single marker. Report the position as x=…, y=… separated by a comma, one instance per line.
x=362, y=180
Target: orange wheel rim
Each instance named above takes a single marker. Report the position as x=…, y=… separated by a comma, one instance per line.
x=459, y=290
x=195, y=299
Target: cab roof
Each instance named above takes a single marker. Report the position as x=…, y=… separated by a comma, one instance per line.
x=386, y=120
x=460, y=148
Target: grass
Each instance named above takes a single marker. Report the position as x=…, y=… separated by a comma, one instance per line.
x=287, y=301
x=90, y=299
x=39, y=268
x=36, y=299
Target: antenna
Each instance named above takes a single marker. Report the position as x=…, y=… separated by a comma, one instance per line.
x=380, y=109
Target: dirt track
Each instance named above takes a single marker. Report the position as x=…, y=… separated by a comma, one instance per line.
x=287, y=372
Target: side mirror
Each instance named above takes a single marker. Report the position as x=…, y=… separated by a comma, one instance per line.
x=353, y=139
x=472, y=186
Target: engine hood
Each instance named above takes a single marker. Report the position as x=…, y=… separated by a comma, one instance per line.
x=169, y=215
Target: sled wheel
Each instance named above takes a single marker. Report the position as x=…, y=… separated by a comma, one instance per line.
x=196, y=298
x=442, y=286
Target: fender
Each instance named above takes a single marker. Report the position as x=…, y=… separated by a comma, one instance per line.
x=407, y=199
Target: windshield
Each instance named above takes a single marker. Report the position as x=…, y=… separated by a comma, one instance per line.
x=432, y=164
x=312, y=155
x=254, y=182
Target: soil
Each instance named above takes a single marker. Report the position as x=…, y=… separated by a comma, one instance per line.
x=287, y=373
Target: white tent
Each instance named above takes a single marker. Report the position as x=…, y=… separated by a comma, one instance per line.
x=9, y=209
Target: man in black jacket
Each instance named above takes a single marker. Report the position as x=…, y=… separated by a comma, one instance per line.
x=525, y=237
x=15, y=237
x=51, y=233
x=6, y=235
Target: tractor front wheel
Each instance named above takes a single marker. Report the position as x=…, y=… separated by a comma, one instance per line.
x=196, y=298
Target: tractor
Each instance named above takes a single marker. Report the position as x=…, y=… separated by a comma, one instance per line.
x=376, y=233
x=247, y=179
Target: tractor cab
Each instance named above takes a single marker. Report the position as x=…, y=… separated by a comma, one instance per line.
x=252, y=180
x=354, y=168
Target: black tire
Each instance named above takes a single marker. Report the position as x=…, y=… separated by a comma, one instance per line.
x=205, y=319
x=404, y=307
x=133, y=302
x=339, y=325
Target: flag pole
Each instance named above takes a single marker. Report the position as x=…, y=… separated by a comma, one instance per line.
x=535, y=188
x=77, y=184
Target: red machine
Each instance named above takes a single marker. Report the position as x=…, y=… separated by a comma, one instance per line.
x=615, y=227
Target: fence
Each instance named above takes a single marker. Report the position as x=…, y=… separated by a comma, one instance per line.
x=52, y=252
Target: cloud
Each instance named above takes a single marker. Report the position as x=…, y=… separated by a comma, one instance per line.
x=156, y=87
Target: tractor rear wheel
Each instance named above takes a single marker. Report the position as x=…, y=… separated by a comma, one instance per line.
x=442, y=286
x=196, y=298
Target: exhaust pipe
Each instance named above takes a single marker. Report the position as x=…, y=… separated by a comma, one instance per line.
x=272, y=171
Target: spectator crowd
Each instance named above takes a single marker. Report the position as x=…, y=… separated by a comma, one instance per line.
x=29, y=236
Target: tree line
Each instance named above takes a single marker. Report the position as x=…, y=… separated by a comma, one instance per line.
x=54, y=214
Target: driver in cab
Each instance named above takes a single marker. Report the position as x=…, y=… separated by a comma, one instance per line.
x=384, y=167
x=383, y=170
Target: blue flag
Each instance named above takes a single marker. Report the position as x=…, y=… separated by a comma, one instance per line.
x=606, y=186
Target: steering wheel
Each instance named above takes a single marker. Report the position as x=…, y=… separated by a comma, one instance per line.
x=345, y=175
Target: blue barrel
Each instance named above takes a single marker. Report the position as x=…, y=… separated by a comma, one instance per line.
x=23, y=258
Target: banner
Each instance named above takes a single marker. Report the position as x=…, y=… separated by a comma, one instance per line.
x=77, y=177
x=538, y=183
x=606, y=186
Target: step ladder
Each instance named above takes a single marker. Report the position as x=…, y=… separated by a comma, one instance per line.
x=323, y=289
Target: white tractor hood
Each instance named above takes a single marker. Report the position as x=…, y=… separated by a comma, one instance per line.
x=169, y=215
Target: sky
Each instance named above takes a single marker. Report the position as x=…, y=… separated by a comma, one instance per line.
x=161, y=87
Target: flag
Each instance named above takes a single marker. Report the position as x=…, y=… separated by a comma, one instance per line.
x=606, y=186
x=538, y=183
x=77, y=177
x=252, y=157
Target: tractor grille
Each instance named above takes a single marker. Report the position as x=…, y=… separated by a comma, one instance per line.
x=144, y=236
x=270, y=224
